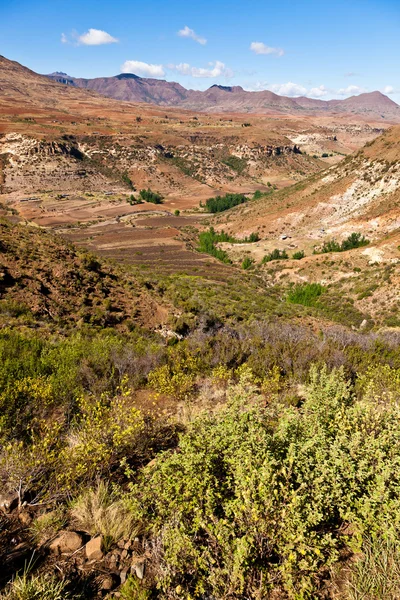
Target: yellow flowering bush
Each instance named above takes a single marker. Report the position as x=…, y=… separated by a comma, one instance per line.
x=381, y=382
x=24, y=401
x=104, y=432
x=221, y=376
x=178, y=377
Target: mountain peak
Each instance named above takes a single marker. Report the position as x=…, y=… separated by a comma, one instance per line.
x=60, y=73
x=226, y=88
x=127, y=76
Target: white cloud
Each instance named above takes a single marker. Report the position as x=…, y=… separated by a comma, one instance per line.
x=190, y=33
x=293, y=90
x=257, y=86
x=216, y=69
x=64, y=39
x=388, y=89
x=318, y=92
x=95, y=37
x=351, y=90
x=261, y=48
x=141, y=68
x=287, y=89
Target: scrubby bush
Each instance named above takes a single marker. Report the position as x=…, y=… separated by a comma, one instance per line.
x=104, y=432
x=178, y=377
x=355, y=240
x=133, y=589
x=47, y=525
x=253, y=237
x=11, y=308
x=257, y=498
x=235, y=162
x=298, y=255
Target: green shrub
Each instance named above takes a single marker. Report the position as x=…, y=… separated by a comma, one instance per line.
x=221, y=203
x=207, y=241
x=133, y=589
x=253, y=237
x=355, y=240
x=305, y=293
x=247, y=263
x=12, y=308
x=235, y=163
x=275, y=255
x=46, y=526
x=127, y=180
x=150, y=196
x=330, y=246
x=298, y=255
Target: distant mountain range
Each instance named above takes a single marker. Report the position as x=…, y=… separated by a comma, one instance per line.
x=219, y=98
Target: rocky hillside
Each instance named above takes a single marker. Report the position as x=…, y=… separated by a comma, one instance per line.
x=103, y=163
x=360, y=193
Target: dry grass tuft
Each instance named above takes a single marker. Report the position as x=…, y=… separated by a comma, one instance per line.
x=100, y=511
x=375, y=575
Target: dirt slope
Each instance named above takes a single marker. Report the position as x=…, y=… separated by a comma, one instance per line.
x=47, y=279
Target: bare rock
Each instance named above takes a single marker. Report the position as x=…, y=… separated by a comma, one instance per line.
x=123, y=575
x=108, y=583
x=66, y=542
x=24, y=518
x=93, y=548
x=138, y=566
x=8, y=502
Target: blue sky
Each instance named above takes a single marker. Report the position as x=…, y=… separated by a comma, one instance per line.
x=304, y=47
